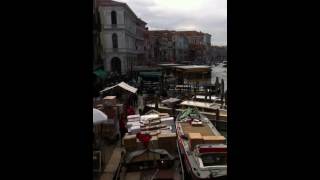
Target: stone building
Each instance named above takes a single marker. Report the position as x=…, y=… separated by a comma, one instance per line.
x=179, y=46
x=122, y=36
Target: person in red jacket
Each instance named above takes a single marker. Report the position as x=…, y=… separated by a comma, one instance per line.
x=130, y=110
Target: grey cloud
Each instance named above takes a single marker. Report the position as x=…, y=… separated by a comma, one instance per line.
x=213, y=21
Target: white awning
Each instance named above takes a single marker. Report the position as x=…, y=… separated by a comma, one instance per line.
x=123, y=85
x=170, y=100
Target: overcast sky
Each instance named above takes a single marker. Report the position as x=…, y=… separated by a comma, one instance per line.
x=208, y=16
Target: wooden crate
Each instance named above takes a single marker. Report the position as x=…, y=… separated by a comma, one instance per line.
x=195, y=139
x=168, y=141
x=110, y=100
x=214, y=139
x=130, y=142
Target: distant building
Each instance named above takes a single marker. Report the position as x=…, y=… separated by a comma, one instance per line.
x=97, y=46
x=218, y=54
x=122, y=36
x=162, y=46
x=179, y=46
x=207, y=39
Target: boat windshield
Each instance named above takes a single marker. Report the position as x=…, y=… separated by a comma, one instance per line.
x=214, y=159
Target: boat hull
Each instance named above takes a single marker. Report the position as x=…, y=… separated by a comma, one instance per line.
x=189, y=173
x=192, y=168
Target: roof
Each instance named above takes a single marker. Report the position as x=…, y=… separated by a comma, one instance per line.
x=114, y=3
x=150, y=76
x=141, y=21
x=145, y=68
x=122, y=85
x=198, y=104
x=108, y=2
x=169, y=64
x=171, y=100
x=193, y=68
x=190, y=33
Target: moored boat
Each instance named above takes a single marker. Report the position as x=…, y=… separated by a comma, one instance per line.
x=203, y=149
x=151, y=149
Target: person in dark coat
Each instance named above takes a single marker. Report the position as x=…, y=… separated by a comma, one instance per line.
x=122, y=125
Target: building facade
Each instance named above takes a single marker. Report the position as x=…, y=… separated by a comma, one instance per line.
x=97, y=46
x=179, y=46
x=162, y=46
x=122, y=36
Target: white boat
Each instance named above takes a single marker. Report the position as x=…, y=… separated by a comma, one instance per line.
x=203, y=149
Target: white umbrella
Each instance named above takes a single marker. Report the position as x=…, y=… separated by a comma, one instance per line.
x=99, y=117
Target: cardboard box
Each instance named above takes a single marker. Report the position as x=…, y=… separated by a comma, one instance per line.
x=155, y=133
x=165, y=131
x=133, y=116
x=149, y=116
x=164, y=115
x=168, y=142
x=133, y=123
x=134, y=129
x=152, y=123
x=167, y=121
x=195, y=139
x=110, y=100
x=197, y=124
x=99, y=107
x=133, y=176
x=130, y=142
x=153, y=144
x=167, y=136
x=111, y=112
x=214, y=139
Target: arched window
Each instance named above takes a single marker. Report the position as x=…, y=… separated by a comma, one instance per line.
x=113, y=17
x=114, y=40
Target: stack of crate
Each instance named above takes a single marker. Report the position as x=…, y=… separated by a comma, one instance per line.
x=110, y=100
x=167, y=141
